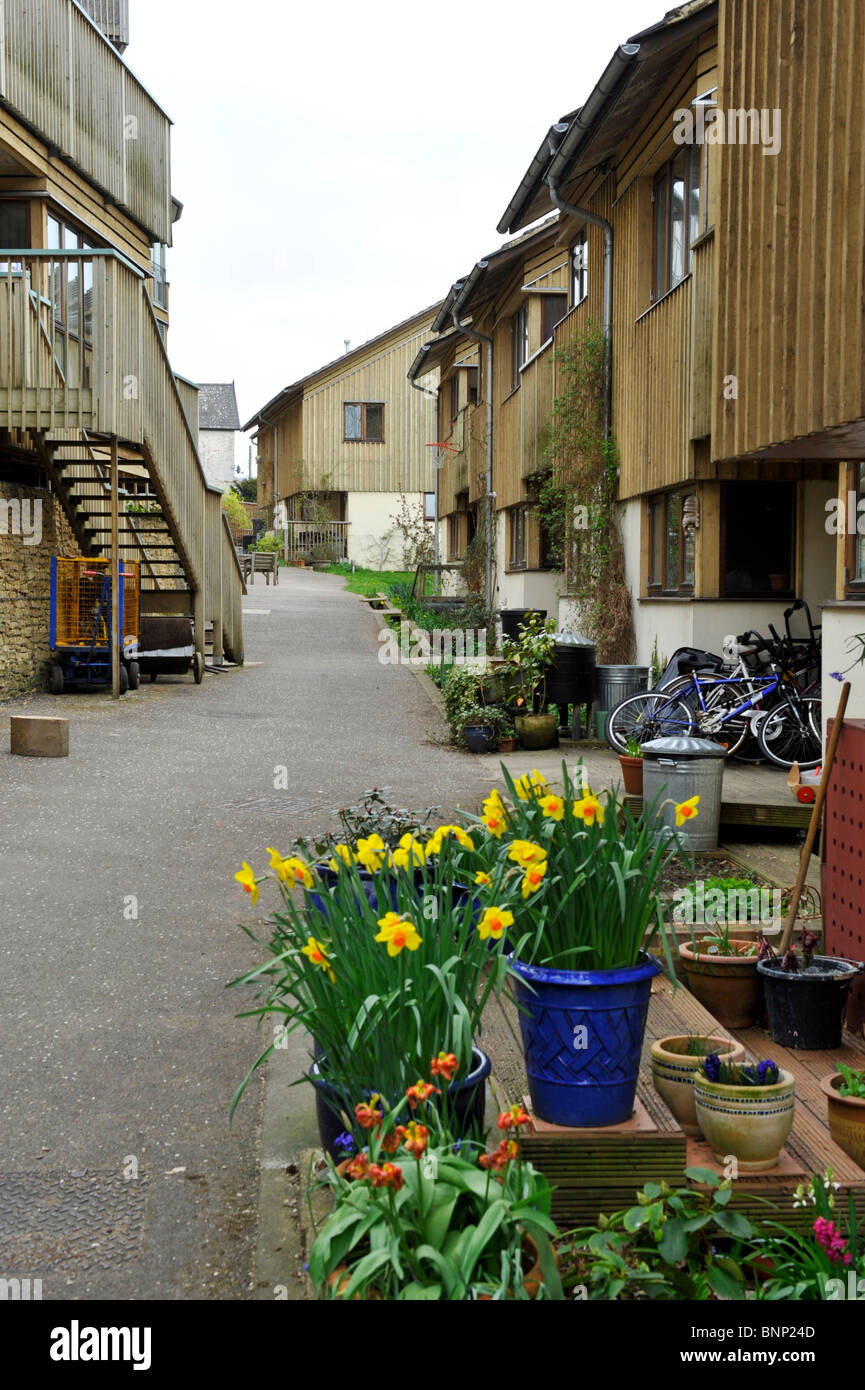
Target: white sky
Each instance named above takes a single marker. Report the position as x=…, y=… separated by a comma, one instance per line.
x=341, y=165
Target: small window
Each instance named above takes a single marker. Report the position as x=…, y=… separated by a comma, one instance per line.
x=518, y=538
x=430, y=506
x=159, y=283
x=14, y=235
x=671, y=545
x=455, y=396
x=580, y=268
x=473, y=385
x=363, y=422
x=519, y=343
x=553, y=309
x=855, y=547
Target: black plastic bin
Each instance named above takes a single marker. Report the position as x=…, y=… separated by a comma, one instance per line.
x=806, y=1008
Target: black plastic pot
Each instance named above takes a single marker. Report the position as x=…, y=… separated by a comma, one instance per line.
x=467, y=1099
x=806, y=1007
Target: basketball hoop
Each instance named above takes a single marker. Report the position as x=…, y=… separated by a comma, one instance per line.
x=441, y=447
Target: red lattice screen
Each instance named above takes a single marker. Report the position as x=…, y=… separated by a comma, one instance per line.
x=844, y=859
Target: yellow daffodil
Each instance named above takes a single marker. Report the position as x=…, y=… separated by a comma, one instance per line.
x=316, y=953
x=524, y=853
x=494, y=923
x=277, y=863
x=298, y=872
x=686, y=810
x=589, y=809
x=552, y=806
x=410, y=851
x=246, y=878
x=493, y=802
x=372, y=852
x=482, y=880
x=434, y=844
x=530, y=785
x=533, y=878
x=341, y=855
x=494, y=821
x=398, y=933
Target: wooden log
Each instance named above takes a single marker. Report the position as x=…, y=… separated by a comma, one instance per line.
x=37, y=737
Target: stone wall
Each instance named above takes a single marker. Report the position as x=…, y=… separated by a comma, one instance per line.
x=30, y=533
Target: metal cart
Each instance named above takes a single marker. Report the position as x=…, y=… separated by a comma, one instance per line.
x=81, y=623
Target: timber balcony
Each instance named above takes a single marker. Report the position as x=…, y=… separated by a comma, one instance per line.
x=82, y=361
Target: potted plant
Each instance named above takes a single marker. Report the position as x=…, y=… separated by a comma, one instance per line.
x=816, y=1264
x=845, y=1093
x=531, y=656
x=380, y=987
x=721, y=969
x=745, y=1110
x=675, y=1060
x=580, y=878
x=806, y=994
x=417, y=1217
x=479, y=730
x=631, y=764
x=367, y=830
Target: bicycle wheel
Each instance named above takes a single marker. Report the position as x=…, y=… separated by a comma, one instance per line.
x=714, y=722
x=644, y=717
x=787, y=735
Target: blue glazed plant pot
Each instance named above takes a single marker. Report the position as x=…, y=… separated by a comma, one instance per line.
x=582, y=1036
x=460, y=892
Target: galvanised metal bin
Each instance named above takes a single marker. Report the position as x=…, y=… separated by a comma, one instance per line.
x=675, y=770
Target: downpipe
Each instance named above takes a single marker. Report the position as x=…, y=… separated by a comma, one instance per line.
x=491, y=497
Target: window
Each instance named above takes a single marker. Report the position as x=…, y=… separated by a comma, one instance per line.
x=679, y=216
x=519, y=343
x=364, y=422
x=580, y=268
x=518, y=538
x=553, y=310
x=473, y=385
x=429, y=506
x=159, y=283
x=14, y=234
x=454, y=536
x=671, y=545
x=757, y=539
x=854, y=557
x=455, y=396
x=72, y=288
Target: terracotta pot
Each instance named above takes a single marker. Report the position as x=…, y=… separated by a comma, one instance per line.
x=673, y=1069
x=536, y=731
x=750, y=1123
x=728, y=986
x=507, y=745
x=846, y=1119
x=632, y=774
x=532, y=1277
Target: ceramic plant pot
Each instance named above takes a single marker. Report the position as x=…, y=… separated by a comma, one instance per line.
x=728, y=986
x=749, y=1123
x=673, y=1069
x=536, y=731
x=846, y=1119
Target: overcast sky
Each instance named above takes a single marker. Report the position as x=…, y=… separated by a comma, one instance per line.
x=341, y=165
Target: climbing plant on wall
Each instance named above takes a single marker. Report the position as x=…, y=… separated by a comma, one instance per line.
x=577, y=498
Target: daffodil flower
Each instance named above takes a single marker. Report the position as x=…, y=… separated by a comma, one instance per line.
x=552, y=806
x=372, y=852
x=589, y=810
x=530, y=785
x=524, y=853
x=494, y=822
x=494, y=923
x=295, y=871
x=277, y=863
x=341, y=854
x=482, y=880
x=434, y=844
x=533, y=878
x=316, y=953
x=686, y=810
x=410, y=853
x=398, y=933
x=247, y=879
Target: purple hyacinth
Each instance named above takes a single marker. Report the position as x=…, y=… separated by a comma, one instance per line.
x=712, y=1066
x=836, y=675
x=767, y=1073
x=344, y=1141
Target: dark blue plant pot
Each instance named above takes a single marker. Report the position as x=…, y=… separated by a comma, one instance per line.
x=582, y=1038
x=460, y=893
x=467, y=1097
x=479, y=738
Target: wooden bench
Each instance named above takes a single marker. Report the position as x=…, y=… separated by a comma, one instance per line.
x=264, y=562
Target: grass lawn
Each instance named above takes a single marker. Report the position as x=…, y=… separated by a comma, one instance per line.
x=370, y=581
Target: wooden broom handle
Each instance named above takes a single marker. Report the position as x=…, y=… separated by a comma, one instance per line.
x=814, y=823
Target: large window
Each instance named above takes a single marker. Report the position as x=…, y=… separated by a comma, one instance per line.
x=519, y=343
x=72, y=287
x=14, y=231
x=757, y=539
x=679, y=210
x=671, y=545
x=580, y=267
x=364, y=422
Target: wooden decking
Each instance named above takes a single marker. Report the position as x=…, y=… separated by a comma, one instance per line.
x=599, y=1170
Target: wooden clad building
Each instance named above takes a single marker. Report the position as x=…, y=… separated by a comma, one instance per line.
x=86, y=211
x=339, y=449
x=723, y=147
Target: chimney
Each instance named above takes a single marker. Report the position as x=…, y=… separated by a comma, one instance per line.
x=112, y=17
